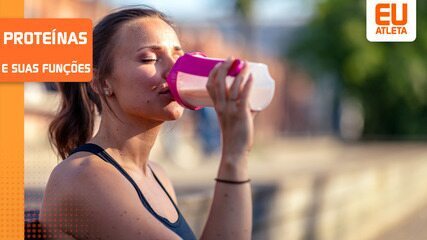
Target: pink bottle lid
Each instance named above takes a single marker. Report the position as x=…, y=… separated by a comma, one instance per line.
x=196, y=63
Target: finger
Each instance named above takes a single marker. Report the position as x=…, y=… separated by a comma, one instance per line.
x=246, y=90
x=210, y=85
x=236, y=86
x=220, y=89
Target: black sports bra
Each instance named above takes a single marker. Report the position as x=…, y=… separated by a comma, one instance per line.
x=180, y=227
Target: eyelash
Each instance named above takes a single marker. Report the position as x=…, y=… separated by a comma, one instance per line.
x=149, y=60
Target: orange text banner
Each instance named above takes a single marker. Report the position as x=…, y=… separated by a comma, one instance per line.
x=45, y=50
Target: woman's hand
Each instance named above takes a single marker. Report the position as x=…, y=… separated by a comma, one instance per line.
x=230, y=216
x=232, y=107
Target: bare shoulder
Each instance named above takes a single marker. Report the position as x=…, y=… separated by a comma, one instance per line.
x=164, y=179
x=102, y=202
x=80, y=168
x=70, y=180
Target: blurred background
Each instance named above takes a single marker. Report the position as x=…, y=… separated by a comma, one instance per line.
x=341, y=152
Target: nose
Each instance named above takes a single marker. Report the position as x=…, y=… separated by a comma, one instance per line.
x=168, y=62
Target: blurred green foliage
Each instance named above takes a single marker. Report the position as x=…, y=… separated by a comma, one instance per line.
x=244, y=7
x=389, y=79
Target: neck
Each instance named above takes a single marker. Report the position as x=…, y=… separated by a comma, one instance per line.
x=128, y=141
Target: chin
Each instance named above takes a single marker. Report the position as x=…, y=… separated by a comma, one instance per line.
x=174, y=111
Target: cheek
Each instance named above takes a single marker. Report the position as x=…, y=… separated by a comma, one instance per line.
x=141, y=94
x=136, y=92
x=139, y=83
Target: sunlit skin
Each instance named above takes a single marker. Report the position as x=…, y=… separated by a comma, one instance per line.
x=145, y=54
x=145, y=50
x=141, y=64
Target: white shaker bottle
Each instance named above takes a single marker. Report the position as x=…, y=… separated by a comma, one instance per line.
x=189, y=75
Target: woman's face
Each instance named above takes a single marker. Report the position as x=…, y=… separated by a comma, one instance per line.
x=145, y=50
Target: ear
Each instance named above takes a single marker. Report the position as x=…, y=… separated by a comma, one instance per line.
x=101, y=87
x=107, y=87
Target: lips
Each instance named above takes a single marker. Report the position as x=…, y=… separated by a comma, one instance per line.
x=164, y=91
x=163, y=88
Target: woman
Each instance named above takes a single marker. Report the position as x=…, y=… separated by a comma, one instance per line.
x=106, y=187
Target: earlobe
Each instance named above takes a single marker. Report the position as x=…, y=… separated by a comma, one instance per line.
x=108, y=92
x=107, y=88
x=101, y=87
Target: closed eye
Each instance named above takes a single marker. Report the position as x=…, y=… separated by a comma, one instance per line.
x=148, y=60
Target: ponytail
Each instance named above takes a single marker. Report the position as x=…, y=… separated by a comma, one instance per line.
x=74, y=123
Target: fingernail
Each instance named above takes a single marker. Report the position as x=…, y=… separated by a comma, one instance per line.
x=235, y=68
